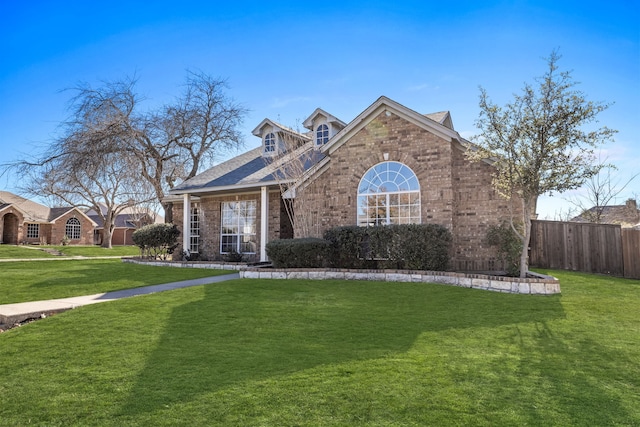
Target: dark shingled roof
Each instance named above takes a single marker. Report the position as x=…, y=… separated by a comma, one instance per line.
x=627, y=215
x=247, y=168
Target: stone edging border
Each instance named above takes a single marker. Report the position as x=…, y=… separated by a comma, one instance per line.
x=538, y=285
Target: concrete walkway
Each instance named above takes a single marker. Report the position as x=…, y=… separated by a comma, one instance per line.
x=10, y=314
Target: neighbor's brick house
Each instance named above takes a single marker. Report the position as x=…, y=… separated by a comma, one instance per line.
x=388, y=165
x=24, y=221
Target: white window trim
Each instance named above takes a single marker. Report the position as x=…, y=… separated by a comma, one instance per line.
x=365, y=220
x=240, y=234
x=273, y=144
x=319, y=140
x=194, y=228
x=74, y=225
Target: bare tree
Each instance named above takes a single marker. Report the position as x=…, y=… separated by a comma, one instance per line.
x=108, y=144
x=89, y=166
x=292, y=158
x=176, y=142
x=600, y=190
x=538, y=143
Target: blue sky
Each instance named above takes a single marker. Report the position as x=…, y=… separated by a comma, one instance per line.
x=284, y=59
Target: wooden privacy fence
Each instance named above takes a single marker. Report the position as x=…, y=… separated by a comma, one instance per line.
x=591, y=248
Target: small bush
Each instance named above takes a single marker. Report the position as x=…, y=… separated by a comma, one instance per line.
x=346, y=246
x=307, y=252
x=156, y=240
x=508, y=244
x=403, y=246
x=233, y=256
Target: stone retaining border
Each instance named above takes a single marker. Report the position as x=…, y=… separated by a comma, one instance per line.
x=537, y=285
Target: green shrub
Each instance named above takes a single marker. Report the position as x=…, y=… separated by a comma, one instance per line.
x=508, y=244
x=156, y=240
x=402, y=246
x=346, y=246
x=307, y=252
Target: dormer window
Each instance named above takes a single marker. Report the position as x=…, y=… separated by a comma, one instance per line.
x=269, y=143
x=322, y=134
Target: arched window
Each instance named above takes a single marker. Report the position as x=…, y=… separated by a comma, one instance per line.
x=72, y=229
x=322, y=134
x=269, y=143
x=389, y=193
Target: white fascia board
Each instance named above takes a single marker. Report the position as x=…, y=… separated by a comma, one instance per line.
x=203, y=190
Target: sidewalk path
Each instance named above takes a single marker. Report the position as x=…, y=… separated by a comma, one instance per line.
x=10, y=314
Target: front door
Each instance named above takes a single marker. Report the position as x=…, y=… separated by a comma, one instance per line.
x=10, y=229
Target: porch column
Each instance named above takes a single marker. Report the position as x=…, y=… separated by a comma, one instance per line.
x=264, y=222
x=186, y=226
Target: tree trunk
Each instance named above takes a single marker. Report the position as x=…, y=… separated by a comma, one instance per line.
x=168, y=212
x=529, y=208
x=524, y=256
x=107, y=228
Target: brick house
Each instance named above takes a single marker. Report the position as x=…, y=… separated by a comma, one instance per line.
x=627, y=215
x=388, y=165
x=23, y=221
x=128, y=220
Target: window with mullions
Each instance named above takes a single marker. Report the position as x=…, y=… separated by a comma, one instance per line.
x=322, y=134
x=72, y=229
x=33, y=231
x=194, y=228
x=238, y=227
x=270, y=143
x=389, y=193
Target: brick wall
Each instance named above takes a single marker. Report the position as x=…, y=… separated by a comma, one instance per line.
x=58, y=230
x=455, y=192
x=210, y=222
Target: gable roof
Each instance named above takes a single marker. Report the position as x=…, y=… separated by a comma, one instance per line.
x=308, y=123
x=627, y=215
x=277, y=127
x=252, y=169
x=35, y=212
x=442, y=117
x=31, y=210
x=386, y=105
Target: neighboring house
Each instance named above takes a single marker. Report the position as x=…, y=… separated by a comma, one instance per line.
x=627, y=215
x=24, y=221
x=127, y=221
x=388, y=165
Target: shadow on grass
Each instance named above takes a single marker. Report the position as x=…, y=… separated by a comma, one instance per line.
x=249, y=330
x=575, y=377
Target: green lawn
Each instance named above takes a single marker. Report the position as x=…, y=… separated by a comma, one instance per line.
x=95, y=251
x=22, y=252
x=312, y=353
x=22, y=281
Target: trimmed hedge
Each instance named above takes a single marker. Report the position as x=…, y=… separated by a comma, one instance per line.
x=307, y=252
x=156, y=240
x=401, y=246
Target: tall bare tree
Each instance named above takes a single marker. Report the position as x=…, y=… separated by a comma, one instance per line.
x=538, y=142
x=176, y=142
x=109, y=142
x=88, y=165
